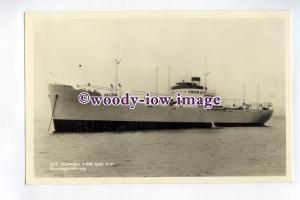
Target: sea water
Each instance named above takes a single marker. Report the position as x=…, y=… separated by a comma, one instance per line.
x=236, y=151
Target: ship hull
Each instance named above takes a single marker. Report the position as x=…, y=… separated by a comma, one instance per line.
x=95, y=125
x=71, y=116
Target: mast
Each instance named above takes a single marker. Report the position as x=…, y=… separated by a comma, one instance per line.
x=117, y=62
x=205, y=69
x=258, y=94
x=169, y=79
x=244, y=94
x=205, y=73
x=244, y=97
x=156, y=80
x=205, y=80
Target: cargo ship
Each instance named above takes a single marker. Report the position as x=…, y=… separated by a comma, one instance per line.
x=68, y=115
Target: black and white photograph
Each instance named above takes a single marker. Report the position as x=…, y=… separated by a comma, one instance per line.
x=157, y=96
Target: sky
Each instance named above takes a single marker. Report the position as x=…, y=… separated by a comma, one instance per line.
x=239, y=51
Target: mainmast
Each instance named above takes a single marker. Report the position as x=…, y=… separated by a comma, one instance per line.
x=205, y=69
x=169, y=78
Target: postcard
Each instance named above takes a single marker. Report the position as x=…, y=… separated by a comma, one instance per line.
x=157, y=97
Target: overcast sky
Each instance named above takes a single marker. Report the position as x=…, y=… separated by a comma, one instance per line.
x=239, y=51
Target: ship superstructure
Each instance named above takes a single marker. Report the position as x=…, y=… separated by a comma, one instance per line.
x=192, y=88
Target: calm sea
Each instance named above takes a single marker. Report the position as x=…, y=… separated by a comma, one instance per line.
x=245, y=151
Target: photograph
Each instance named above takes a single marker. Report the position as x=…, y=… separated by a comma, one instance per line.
x=154, y=97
